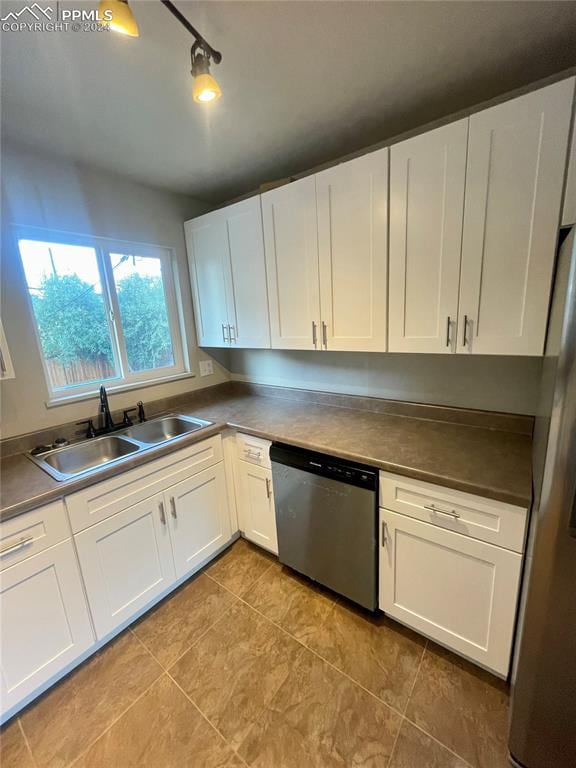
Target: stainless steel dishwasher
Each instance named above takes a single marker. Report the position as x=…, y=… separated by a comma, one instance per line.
x=327, y=518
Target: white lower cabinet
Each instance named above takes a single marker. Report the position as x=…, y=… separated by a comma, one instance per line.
x=199, y=519
x=257, y=518
x=457, y=590
x=126, y=562
x=45, y=621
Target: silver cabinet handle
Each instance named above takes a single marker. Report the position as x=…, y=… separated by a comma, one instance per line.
x=450, y=513
x=225, y=339
x=23, y=542
x=232, y=338
x=173, y=507
x=162, y=513
x=268, y=489
x=3, y=368
x=465, y=332
x=252, y=454
x=314, y=338
x=383, y=533
x=448, y=327
x=325, y=334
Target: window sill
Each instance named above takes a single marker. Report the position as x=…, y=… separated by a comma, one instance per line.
x=56, y=401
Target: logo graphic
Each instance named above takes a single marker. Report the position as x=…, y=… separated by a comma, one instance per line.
x=39, y=13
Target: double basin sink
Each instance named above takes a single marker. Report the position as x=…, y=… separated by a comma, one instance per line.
x=97, y=453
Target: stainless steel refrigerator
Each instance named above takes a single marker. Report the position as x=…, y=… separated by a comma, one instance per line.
x=543, y=715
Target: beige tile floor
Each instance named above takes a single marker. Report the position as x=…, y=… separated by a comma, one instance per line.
x=248, y=664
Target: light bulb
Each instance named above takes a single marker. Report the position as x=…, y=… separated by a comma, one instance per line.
x=120, y=17
x=205, y=89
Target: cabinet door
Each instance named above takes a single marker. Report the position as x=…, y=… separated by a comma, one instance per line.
x=126, y=562
x=207, y=247
x=256, y=513
x=291, y=244
x=352, y=241
x=458, y=591
x=6, y=367
x=514, y=180
x=427, y=176
x=246, y=275
x=45, y=621
x=199, y=519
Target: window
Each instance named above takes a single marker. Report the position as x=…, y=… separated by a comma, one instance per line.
x=105, y=312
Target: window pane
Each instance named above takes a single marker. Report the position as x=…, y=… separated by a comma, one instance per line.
x=70, y=311
x=143, y=311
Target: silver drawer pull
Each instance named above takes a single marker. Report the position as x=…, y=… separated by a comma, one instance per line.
x=23, y=542
x=252, y=454
x=449, y=512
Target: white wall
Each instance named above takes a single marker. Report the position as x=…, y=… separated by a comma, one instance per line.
x=52, y=193
x=508, y=384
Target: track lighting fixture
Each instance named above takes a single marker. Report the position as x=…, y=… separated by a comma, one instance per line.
x=205, y=87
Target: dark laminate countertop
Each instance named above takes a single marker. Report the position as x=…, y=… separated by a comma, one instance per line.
x=487, y=462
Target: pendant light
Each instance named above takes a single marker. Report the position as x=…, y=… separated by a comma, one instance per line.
x=118, y=15
x=205, y=87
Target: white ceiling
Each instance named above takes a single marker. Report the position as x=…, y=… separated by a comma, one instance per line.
x=302, y=82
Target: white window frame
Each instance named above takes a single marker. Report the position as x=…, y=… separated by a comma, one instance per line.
x=103, y=247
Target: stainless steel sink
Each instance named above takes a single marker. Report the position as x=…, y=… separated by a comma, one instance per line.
x=165, y=428
x=95, y=454
x=87, y=456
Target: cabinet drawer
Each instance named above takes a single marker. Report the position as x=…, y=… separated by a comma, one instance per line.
x=253, y=449
x=104, y=499
x=30, y=533
x=486, y=519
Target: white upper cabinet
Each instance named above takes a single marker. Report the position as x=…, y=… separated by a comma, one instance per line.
x=427, y=178
x=246, y=275
x=514, y=182
x=569, y=210
x=207, y=253
x=291, y=244
x=6, y=367
x=352, y=240
x=228, y=273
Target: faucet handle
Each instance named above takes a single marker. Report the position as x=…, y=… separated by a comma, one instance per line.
x=141, y=414
x=126, y=420
x=90, y=431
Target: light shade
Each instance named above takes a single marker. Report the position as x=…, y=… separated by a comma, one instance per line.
x=122, y=20
x=205, y=88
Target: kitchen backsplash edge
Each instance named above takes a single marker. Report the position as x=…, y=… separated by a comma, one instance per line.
x=467, y=417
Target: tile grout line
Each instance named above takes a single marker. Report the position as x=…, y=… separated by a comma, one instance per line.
x=206, y=718
x=26, y=742
x=256, y=580
x=192, y=644
x=441, y=743
x=355, y=682
x=315, y=653
x=116, y=719
x=413, y=686
x=389, y=764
